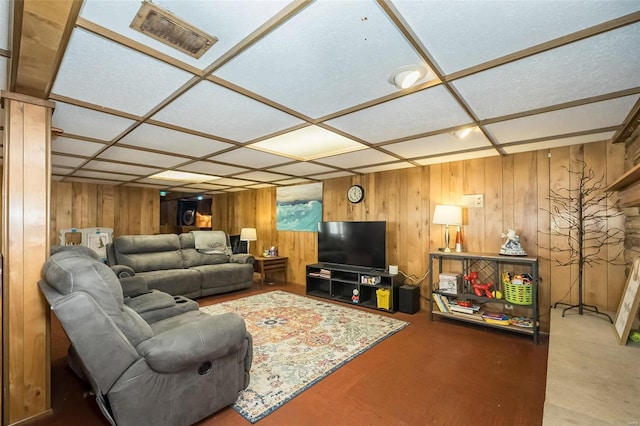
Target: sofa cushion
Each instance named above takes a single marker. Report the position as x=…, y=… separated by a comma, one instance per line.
x=225, y=275
x=192, y=257
x=184, y=282
x=145, y=253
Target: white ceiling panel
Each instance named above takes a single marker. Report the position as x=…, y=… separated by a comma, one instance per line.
x=104, y=73
x=212, y=168
x=107, y=166
x=159, y=182
x=424, y=111
x=261, y=185
x=233, y=182
x=127, y=155
x=332, y=175
x=63, y=160
x=169, y=140
x=75, y=120
x=250, y=158
x=294, y=181
x=74, y=146
x=229, y=21
x=235, y=190
x=385, y=167
x=185, y=189
x=61, y=170
x=328, y=57
x=218, y=111
x=586, y=117
x=4, y=75
x=458, y=157
x=142, y=185
x=206, y=186
x=461, y=34
x=438, y=144
x=556, y=143
x=5, y=13
x=358, y=159
x=302, y=169
x=590, y=67
x=262, y=176
x=103, y=175
x=91, y=180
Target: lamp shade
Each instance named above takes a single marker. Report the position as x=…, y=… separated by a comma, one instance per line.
x=447, y=215
x=248, y=234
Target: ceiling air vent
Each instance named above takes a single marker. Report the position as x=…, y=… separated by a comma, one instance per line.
x=171, y=30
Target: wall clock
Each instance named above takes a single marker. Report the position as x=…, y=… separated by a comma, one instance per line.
x=355, y=193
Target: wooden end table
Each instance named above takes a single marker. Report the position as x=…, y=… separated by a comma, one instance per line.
x=262, y=265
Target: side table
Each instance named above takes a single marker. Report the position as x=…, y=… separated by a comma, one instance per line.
x=262, y=265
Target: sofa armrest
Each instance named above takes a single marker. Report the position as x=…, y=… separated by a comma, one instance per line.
x=242, y=258
x=191, y=344
x=123, y=271
x=133, y=286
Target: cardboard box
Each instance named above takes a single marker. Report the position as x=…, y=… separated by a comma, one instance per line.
x=450, y=283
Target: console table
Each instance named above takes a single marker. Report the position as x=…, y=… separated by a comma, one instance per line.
x=262, y=265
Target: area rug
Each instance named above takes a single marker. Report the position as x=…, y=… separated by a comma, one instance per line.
x=297, y=341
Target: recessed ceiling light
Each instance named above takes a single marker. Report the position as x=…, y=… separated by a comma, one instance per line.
x=183, y=176
x=408, y=75
x=463, y=133
x=308, y=143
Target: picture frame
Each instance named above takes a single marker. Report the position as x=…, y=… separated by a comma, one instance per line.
x=628, y=307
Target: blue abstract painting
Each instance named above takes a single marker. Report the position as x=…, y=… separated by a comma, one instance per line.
x=299, y=208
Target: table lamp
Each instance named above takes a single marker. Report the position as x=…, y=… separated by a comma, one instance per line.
x=248, y=235
x=448, y=215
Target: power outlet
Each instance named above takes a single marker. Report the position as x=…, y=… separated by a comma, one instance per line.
x=474, y=200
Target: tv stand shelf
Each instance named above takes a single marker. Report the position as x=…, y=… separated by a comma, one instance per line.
x=337, y=282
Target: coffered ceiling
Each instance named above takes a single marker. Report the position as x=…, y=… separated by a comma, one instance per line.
x=313, y=78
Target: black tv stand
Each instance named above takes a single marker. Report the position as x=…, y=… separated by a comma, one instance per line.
x=337, y=282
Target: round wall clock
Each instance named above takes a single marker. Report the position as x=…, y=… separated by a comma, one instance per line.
x=355, y=194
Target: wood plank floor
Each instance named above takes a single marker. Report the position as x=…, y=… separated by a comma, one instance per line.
x=441, y=372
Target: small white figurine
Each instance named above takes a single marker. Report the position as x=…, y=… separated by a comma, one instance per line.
x=511, y=246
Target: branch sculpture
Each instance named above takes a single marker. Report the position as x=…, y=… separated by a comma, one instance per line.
x=581, y=217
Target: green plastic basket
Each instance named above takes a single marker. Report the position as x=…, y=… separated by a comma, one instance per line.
x=518, y=294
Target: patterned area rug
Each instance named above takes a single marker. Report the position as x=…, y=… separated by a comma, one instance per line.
x=298, y=341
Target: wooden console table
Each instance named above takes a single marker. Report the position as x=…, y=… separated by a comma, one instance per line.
x=262, y=265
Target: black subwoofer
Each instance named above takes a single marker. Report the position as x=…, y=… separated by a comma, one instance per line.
x=409, y=299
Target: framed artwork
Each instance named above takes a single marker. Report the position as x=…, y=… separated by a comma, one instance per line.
x=299, y=207
x=628, y=308
x=98, y=242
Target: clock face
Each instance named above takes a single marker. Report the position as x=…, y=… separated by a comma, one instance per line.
x=355, y=194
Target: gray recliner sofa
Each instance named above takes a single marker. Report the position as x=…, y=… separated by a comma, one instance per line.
x=171, y=263
x=174, y=371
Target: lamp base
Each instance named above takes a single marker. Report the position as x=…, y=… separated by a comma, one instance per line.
x=447, y=250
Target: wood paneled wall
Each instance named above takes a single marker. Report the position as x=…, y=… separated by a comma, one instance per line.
x=516, y=195
x=128, y=210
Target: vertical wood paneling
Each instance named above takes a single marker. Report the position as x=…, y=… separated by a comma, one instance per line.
x=616, y=278
x=127, y=210
x=560, y=277
x=26, y=221
x=515, y=189
x=543, y=238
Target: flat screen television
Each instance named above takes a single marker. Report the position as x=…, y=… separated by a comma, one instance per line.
x=361, y=244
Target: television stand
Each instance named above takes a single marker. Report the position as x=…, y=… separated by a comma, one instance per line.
x=376, y=289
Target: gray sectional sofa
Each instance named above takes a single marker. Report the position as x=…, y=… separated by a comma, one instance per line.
x=172, y=264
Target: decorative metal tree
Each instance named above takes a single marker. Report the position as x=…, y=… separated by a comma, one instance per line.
x=582, y=217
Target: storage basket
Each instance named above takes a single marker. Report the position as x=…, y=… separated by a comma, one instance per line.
x=518, y=294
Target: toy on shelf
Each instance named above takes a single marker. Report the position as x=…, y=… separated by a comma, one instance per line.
x=511, y=246
x=356, y=296
x=478, y=288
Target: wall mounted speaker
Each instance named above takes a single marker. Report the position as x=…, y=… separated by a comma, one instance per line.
x=187, y=213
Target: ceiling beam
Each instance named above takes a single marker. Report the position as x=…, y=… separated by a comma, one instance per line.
x=41, y=31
